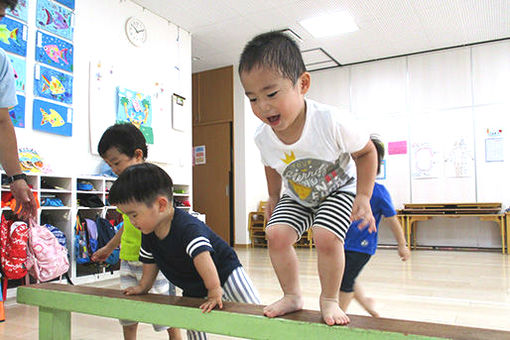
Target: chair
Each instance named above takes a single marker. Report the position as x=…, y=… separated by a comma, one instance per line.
x=257, y=226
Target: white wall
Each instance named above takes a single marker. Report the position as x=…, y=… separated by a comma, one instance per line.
x=99, y=35
x=438, y=95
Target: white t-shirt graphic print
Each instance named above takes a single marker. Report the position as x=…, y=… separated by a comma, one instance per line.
x=319, y=163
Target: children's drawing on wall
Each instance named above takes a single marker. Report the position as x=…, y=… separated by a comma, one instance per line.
x=19, y=65
x=20, y=12
x=55, y=18
x=29, y=160
x=52, y=84
x=17, y=113
x=425, y=161
x=68, y=3
x=13, y=36
x=52, y=118
x=459, y=160
x=54, y=52
x=135, y=108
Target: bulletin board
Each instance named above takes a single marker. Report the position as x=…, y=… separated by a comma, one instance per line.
x=106, y=78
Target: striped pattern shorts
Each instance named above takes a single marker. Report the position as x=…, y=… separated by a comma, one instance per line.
x=333, y=214
x=237, y=288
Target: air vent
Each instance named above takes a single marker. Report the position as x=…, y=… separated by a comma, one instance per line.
x=318, y=59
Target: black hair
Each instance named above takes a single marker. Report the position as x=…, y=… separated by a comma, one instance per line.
x=124, y=137
x=10, y=3
x=379, y=146
x=141, y=183
x=274, y=50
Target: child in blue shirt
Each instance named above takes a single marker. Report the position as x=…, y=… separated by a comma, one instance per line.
x=360, y=245
x=187, y=251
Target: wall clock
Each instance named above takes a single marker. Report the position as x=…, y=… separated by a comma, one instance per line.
x=136, y=31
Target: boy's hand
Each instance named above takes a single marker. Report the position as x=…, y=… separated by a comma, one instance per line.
x=404, y=253
x=135, y=290
x=270, y=205
x=213, y=299
x=361, y=211
x=101, y=255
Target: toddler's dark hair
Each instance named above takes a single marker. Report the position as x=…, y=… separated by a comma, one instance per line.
x=141, y=183
x=273, y=50
x=124, y=137
x=379, y=146
x=11, y=4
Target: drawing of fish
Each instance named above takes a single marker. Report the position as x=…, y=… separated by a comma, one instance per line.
x=53, y=118
x=5, y=34
x=56, y=54
x=55, y=86
x=59, y=21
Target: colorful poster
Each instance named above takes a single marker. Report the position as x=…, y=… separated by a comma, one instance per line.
x=54, y=52
x=13, y=36
x=20, y=12
x=55, y=18
x=68, y=3
x=52, y=84
x=135, y=108
x=19, y=65
x=52, y=118
x=199, y=155
x=17, y=113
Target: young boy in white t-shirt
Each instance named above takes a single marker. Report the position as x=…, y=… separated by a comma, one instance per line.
x=308, y=146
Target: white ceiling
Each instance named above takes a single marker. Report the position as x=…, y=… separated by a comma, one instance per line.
x=220, y=28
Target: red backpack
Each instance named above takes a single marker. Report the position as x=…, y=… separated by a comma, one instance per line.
x=13, y=248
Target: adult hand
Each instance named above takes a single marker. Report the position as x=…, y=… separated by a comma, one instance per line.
x=26, y=205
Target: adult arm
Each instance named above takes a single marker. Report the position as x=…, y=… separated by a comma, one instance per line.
x=9, y=160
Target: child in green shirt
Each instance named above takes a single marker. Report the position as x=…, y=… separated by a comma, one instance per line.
x=121, y=146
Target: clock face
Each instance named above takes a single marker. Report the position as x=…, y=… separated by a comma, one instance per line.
x=136, y=31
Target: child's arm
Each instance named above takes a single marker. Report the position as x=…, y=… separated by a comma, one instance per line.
x=366, y=169
x=274, y=188
x=102, y=254
x=207, y=270
x=149, y=274
x=396, y=229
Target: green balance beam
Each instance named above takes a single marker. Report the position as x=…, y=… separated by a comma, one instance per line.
x=57, y=301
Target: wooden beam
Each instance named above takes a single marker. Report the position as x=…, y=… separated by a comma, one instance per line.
x=56, y=301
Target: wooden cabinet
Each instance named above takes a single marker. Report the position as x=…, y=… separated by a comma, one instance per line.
x=213, y=96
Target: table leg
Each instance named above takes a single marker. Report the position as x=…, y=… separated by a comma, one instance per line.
x=54, y=324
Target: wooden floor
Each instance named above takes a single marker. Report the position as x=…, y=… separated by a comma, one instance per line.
x=459, y=288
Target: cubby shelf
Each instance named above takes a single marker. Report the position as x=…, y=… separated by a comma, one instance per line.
x=65, y=188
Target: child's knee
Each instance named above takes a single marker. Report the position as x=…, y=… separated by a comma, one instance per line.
x=326, y=241
x=280, y=236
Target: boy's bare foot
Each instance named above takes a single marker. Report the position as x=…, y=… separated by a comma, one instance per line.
x=287, y=304
x=332, y=314
x=369, y=305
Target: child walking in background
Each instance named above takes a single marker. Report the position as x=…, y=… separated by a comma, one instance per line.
x=308, y=146
x=186, y=250
x=121, y=146
x=360, y=245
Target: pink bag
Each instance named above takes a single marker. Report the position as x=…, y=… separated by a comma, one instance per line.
x=46, y=257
